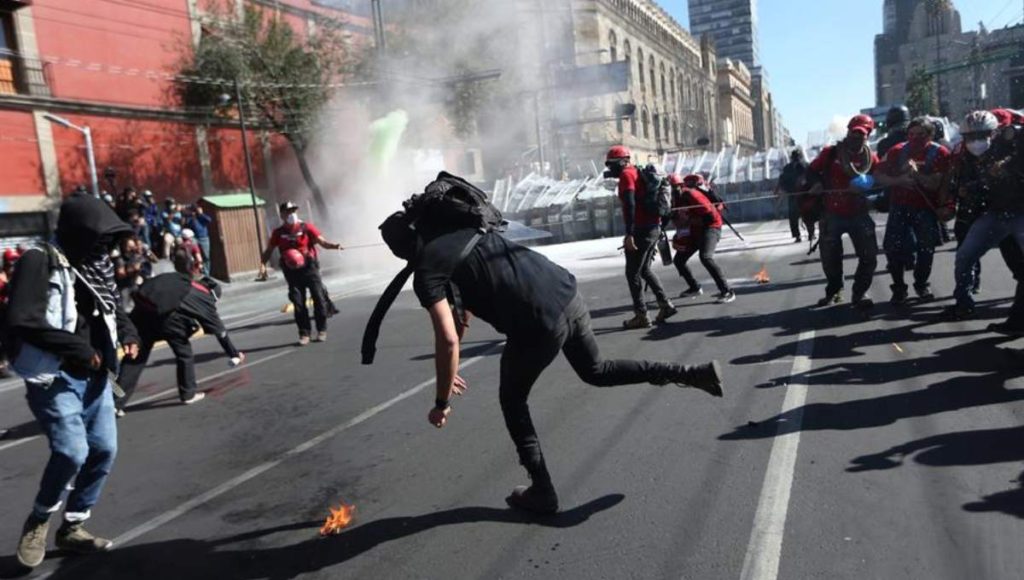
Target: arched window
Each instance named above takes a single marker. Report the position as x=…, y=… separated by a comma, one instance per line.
x=640, y=68
x=632, y=125
x=645, y=120
x=664, y=87
x=672, y=84
x=654, y=79
x=675, y=131
x=613, y=46
x=667, y=126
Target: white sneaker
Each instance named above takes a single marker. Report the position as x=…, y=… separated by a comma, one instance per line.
x=195, y=398
x=119, y=413
x=237, y=360
x=726, y=297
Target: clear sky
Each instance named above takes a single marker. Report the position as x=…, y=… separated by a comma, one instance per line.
x=820, y=53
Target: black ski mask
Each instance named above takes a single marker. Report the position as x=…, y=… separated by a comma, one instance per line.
x=615, y=167
x=400, y=235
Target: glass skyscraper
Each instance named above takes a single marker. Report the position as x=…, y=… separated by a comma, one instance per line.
x=732, y=24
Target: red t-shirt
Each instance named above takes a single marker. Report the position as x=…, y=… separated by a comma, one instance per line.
x=837, y=180
x=698, y=208
x=301, y=237
x=909, y=196
x=630, y=180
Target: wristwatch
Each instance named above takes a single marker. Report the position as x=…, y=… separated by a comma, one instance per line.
x=441, y=404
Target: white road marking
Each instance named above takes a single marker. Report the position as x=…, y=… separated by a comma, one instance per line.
x=764, y=551
x=242, y=478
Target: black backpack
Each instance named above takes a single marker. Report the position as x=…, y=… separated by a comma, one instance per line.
x=448, y=203
x=658, y=197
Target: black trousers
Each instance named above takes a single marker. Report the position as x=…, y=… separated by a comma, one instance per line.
x=176, y=330
x=705, y=244
x=638, y=268
x=793, y=205
x=861, y=229
x=300, y=282
x=525, y=357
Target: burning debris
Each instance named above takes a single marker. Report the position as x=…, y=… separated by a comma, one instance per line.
x=762, y=276
x=338, y=520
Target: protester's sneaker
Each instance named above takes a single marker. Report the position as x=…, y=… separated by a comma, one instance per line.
x=798, y=240
x=321, y=336
x=924, y=292
x=831, y=299
x=692, y=292
x=641, y=320
x=73, y=537
x=237, y=360
x=957, y=312
x=862, y=302
x=119, y=413
x=32, y=546
x=899, y=295
x=666, y=311
x=194, y=399
x=976, y=289
x=303, y=340
x=725, y=297
x=534, y=499
x=1006, y=328
x=706, y=377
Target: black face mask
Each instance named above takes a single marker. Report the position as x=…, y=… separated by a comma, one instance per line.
x=400, y=236
x=615, y=168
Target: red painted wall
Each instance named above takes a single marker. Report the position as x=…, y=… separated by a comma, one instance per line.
x=19, y=155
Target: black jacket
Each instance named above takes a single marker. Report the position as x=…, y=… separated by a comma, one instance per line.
x=176, y=294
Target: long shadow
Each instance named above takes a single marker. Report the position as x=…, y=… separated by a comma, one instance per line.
x=264, y=324
x=205, y=357
x=1010, y=502
x=21, y=431
x=188, y=558
x=478, y=349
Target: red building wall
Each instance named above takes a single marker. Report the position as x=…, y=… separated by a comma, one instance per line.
x=20, y=165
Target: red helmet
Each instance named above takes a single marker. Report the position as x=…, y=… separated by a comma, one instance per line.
x=11, y=256
x=293, y=259
x=618, y=152
x=862, y=124
x=674, y=179
x=694, y=180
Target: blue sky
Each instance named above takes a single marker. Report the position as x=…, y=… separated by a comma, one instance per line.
x=820, y=54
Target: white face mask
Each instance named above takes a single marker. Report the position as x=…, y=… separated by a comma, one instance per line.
x=292, y=219
x=979, y=147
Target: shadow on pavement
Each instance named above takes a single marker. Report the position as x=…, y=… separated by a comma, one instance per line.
x=479, y=348
x=1010, y=502
x=187, y=558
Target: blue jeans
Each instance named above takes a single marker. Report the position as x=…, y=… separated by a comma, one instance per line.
x=986, y=233
x=204, y=246
x=861, y=229
x=77, y=416
x=911, y=236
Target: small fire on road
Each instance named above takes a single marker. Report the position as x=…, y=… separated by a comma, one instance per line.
x=338, y=520
x=762, y=276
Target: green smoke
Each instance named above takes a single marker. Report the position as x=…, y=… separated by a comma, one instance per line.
x=385, y=137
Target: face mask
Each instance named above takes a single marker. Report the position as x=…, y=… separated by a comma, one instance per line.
x=292, y=219
x=918, y=141
x=979, y=147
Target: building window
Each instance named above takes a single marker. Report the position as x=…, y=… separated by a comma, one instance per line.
x=664, y=92
x=640, y=68
x=613, y=46
x=666, y=126
x=645, y=120
x=657, y=128
x=675, y=131
x=8, y=55
x=654, y=79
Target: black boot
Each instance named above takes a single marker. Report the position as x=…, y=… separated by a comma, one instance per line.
x=539, y=497
x=706, y=377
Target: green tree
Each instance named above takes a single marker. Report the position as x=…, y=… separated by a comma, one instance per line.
x=285, y=79
x=921, y=94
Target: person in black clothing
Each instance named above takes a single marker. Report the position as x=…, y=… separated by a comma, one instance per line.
x=535, y=303
x=791, y=183
x=65, y=322
x=171, y=307
x=897, y=120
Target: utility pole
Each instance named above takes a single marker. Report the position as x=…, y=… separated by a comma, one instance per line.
x=248, y=167
x=380, y=41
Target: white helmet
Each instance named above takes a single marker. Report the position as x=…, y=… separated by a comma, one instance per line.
x=979, y=122
x=187, y=234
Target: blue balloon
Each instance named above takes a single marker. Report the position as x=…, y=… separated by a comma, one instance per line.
x=863, y=182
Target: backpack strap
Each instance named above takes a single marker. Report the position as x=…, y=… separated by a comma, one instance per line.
x=454, y=297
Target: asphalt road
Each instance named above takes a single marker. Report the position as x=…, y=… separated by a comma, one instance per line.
x=847, y=446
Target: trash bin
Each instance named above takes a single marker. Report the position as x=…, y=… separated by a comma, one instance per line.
x=234, y=242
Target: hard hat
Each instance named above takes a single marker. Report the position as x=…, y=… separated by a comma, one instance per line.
x=293, y=259
x=618, y=152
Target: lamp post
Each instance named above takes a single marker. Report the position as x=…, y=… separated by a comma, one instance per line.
x=248, y=162
x=94, y=181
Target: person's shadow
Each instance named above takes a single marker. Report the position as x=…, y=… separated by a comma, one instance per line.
x=187, y=558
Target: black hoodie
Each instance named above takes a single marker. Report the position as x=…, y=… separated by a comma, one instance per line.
x=84, y=222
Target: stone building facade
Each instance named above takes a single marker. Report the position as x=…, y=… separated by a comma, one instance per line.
x=736, y=105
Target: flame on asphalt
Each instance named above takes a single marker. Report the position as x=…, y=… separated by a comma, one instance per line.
x=762, y=276
x=338, y=520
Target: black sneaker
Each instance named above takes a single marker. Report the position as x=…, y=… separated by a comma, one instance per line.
x=534, y=500
x=862, y=302
x=957, y=312
x=706, y=377
x=899, y=295
x=692, y=292
x=924, y=292
x=666, y=311
x=836, y=298
x=1006, y=328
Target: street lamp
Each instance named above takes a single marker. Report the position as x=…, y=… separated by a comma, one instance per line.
x=88, y=147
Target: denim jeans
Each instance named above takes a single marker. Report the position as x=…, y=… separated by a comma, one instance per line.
x=77, y=416
x=986, y=232
x=204, y=247
x=861, y=229
x=911, y=236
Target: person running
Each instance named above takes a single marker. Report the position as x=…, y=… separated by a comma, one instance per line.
x=66, y=324
x=914, y=172
x=643, y=229
x=536, y=305
x=297, y=240
x=703, y=222
x=791, y=183
x=989, y=179
x=841, y=173
x=171, y=307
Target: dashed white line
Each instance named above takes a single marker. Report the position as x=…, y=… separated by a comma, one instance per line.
x=764, y=551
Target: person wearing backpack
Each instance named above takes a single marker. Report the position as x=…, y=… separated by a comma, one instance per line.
x=645, y=211
x=297, y=241
x=704, y=223
x=913, y=173
x=66, y=323
x=462, y=264
x=841, y=174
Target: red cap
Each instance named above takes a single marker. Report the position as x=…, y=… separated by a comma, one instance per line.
x=694, y=180
x=293, y=259
x=862, y=124
x=11, y=256
x=674, y=179
x=619, y=152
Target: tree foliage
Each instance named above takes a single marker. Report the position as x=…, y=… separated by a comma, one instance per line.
x=921, y=99
x=285, y=78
